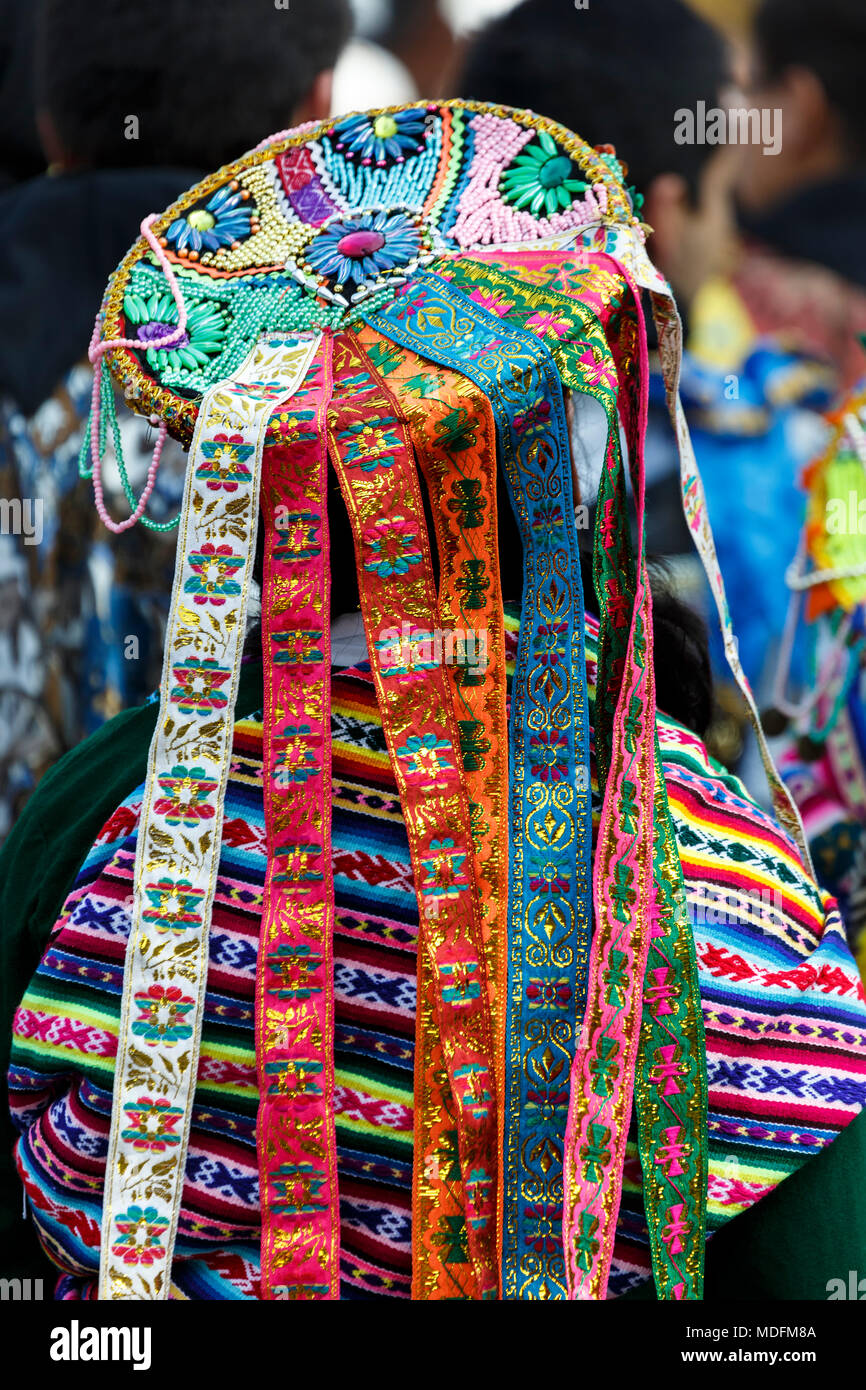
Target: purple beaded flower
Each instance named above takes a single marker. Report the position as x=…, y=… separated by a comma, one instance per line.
x=359, y=249
x=381, y=140
x=225, y=219
x=154, y=317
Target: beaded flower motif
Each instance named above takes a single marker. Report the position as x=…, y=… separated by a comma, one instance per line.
x=382, y=140
x=357, y=250
x=156, y=317
x=224, y=220
x=541, y=178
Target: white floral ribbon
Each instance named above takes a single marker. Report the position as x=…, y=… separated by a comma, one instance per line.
x=177, y=856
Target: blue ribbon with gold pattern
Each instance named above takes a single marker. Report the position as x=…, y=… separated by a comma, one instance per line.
x=549, y=919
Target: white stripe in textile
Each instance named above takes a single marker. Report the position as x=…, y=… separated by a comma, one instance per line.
x=180, y=830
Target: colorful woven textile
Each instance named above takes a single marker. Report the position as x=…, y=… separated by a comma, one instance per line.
x=415, y=699
x=575, y=331
x=784, y=1012
x=488, y=259
x=294, y=1001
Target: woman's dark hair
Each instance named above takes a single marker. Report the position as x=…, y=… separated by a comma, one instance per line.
x=681, y=656
x=830, y=41
x=681, y=653
x=204, y=82
x=615, y=72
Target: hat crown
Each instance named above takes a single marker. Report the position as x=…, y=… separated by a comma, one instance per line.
x=321, y=223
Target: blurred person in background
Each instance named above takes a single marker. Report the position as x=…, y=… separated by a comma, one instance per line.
x=579, y=67
x=802, y=278
x=23, y=720
x=133, y=103
x=622, y=73
x=793, y=313
x=406, y=50
x=20, y=153
x=803, y=273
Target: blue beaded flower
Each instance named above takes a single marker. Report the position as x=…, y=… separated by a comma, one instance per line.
x=381, y=139
x=361, y=248
x=225, y=219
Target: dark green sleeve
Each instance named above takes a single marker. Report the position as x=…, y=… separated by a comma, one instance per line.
x=38, y=866
x=789, y=1246
x=810, y=1230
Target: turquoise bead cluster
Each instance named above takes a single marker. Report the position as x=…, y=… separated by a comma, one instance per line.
x=401, y=185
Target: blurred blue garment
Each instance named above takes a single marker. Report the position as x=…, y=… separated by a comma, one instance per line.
x=81, y=617
x=753, y=431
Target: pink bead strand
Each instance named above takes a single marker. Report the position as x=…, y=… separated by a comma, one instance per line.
x=97, y=350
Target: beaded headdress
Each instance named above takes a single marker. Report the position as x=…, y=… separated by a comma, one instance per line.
x=418, y=294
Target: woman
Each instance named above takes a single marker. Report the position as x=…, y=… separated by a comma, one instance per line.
x=456, y=971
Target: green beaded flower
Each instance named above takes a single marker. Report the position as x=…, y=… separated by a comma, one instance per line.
x=156, y=317
x=541, y=178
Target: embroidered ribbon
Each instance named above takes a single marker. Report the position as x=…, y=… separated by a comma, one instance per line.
x=671, y=1109
x=602, y=1078
x=454, y=435
x=294, y=989
x=549, y=909
x=671, y=1077
x=624, y=246
x=373, y=458
x=179, y=836
x=574, y=329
